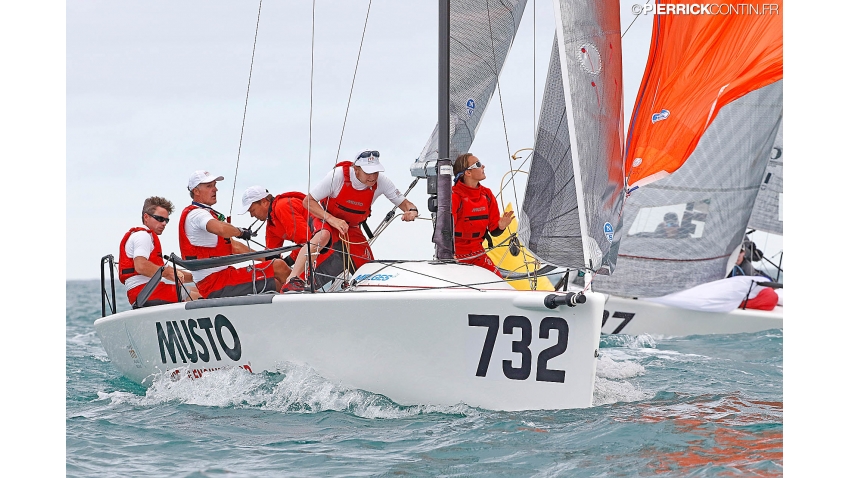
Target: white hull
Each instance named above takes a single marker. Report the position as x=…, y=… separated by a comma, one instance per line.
x=635, y=316
x=413, y=346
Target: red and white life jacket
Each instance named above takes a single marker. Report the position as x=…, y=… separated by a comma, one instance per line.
x=351, y=205
x=126, y=266
x=189, y=251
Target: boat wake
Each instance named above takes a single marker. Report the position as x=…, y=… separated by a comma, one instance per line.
x=628, y=341
x=611, y=385
x=298, y=388
x=294, y=388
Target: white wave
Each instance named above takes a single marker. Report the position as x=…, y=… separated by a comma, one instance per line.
x=225, y=387
x=641, y=341
x=119, y=397
x=644, y=353
x=608, y=368
x=610, y=391
x=296, y=389
x=611, y=385
x=304, y=390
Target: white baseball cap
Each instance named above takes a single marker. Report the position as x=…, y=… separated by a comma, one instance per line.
x=252, y=195
x=200, y=176
x=369, y=161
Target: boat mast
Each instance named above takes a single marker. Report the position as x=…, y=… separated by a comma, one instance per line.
x=441, y=202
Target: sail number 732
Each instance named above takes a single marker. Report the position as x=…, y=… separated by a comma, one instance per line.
x=521, y=346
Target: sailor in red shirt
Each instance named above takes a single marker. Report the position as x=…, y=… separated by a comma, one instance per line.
x=476, y=212
x=339, y=204
x=140, y=256
x=284, y=214
x=204, y=234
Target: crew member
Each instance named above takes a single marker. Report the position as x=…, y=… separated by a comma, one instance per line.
x=476, y=213
x=140, y=256
x=338, y=204
x=767, y=298
x=285, y=216
x=205, y=234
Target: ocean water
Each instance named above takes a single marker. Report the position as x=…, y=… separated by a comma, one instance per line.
x=692, y=406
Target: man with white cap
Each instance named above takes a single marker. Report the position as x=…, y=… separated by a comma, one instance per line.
x=204, y=234
x=339, y=203
x=284, y=214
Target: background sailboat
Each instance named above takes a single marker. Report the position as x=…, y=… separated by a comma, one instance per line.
x=712, y=197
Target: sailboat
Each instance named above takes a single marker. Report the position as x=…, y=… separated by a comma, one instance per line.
x=683, y=225
x=430, y=332
x=671, y=282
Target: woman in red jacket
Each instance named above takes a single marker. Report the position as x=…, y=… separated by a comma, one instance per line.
x=476, y=212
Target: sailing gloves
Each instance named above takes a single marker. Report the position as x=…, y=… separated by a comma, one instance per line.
x=246, y=234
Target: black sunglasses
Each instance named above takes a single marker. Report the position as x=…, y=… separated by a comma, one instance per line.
x=366, y=154
x=159, y=218
x=476, y=165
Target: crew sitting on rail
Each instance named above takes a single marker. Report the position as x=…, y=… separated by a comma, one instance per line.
x=339, y=203
x=205, y=234
x=284, y=214
x=748, y=254
x=767, y=298
x=140, y=256
x=476, y=213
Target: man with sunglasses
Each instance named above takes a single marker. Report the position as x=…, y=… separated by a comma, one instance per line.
x=140, y=256
x=204, y=233
x=339, y=203
x=476, y=213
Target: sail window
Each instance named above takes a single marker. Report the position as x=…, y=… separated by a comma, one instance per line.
x=675, y=221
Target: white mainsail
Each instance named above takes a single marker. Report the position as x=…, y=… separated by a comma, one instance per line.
x=482, y=33
x=576, y=182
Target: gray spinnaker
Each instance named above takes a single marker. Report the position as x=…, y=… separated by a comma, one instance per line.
x=481, y=35
x=767, y=211
x=712, y=194
x=575, y=190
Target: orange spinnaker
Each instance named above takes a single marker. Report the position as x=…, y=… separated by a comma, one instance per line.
x=698, y=63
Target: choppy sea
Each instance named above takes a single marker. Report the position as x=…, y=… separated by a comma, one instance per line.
x=691, y=406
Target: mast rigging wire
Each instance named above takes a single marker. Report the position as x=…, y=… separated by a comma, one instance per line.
x=502, y=110
x=637, y=15
x=310, y=139
x=245, y=110
x=351, y=91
